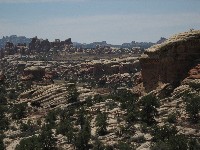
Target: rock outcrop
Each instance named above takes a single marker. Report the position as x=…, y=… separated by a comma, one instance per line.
x=9, y=48
x=98, y=69
x=40, y=45
x=45, y=96
x=170, y=61
x=194, y=73
x=34, y=72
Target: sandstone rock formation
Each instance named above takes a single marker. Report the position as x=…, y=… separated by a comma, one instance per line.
x=39, y=45
x=194, y=73
x=1, y=53
x=33, y=72
x=169, y=62
x=9, y=48
x=106, y=67
x=45, y=96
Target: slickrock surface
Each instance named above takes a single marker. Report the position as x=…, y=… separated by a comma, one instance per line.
x=176, y=104
x=45, y=96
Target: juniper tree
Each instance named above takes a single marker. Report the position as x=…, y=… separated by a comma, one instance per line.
x=101, y=123
x=149, y=105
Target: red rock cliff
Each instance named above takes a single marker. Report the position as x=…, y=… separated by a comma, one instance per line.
x=170, y=61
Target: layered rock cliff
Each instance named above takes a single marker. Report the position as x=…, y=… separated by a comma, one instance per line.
x=170, y=61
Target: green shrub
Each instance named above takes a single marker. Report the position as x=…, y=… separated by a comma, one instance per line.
x=131, y=117
x=111, y=105
x=164, y=132
x=175, y=142
x=89, y=101
x=124, y=146
x=194, y=85
x=98, y=98
x=2, y=146
x=101, y=123
x=193, y=144
x=28, y=128
x=31, y=143
x=66, y=128
x=3, y=120
x=46, y=138
x=12, y=94
x=19, y=111
x=144, y=127
x=172, y=118
x=193, y=107
x=3, y=99
x=51, y=118
x=73, y=93
x=83, y=136
x=98, y=145
x=3, y=94
x=160, y=146
x=109, y=147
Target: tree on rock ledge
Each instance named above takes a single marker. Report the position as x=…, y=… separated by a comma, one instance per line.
x=193, y=107
x=2, y=146
x=19, y=111
x=101, y=123
x=46, y=138
x=72, y=93
x=149, y=105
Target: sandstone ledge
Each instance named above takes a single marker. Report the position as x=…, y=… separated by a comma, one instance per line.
x=176, y=39
x=170, y=61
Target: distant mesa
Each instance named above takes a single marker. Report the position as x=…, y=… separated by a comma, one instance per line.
x=44, y=45
x=14, y=39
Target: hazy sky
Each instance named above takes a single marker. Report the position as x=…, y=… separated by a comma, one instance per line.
x=115, y=21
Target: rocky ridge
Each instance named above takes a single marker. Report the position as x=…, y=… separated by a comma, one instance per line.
x=170, y=61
